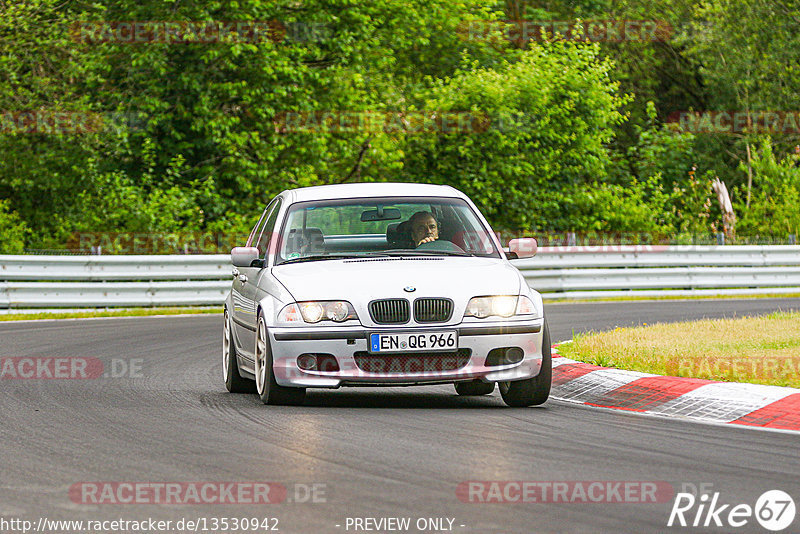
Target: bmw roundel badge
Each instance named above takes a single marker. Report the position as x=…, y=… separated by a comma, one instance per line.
x=409, y=289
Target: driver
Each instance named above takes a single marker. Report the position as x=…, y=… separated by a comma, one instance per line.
x=424, y=228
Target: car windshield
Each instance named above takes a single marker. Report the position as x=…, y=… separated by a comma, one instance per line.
x=330, y=229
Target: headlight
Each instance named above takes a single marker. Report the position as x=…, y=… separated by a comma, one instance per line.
x=312, y=311
x=316, y=311
x=500, y=306
x=338, y=311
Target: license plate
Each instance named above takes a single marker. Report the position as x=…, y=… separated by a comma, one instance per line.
x=446, y=340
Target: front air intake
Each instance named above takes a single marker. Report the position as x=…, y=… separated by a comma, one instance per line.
x=389, y=311
x=433, y=310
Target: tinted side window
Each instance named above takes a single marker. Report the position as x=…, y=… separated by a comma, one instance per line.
x=252, y=241
x=257, y=229
x=268, y=231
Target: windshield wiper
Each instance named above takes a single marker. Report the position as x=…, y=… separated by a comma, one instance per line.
x=386, y=253
x=320, y=257
x=414, y=252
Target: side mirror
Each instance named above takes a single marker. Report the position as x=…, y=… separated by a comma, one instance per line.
x=524, y=247
x=243, y=256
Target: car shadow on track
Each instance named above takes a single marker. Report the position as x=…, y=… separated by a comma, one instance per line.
x=393, y=399
x=370, y=398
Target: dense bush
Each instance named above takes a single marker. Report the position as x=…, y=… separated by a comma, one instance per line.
x=550, y=115
x=13, y=231
x=774, y=209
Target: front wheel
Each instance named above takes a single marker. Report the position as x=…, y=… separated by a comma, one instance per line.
x=268, y=389
x=531, y=391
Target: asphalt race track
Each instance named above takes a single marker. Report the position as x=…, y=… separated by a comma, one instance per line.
x=372, y=453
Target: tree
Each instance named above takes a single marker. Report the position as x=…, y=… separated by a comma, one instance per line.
x=550, y=115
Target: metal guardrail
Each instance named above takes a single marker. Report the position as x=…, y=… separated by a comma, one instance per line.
x=556, y=272
x=630, y=256
x=112, y=294
x=625, y=271
x=108, y=268
x=110, y=281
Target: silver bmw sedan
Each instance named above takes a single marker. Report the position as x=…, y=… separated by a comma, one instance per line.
x=382, y=284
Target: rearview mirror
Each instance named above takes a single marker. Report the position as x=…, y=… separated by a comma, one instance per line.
x=524, y=247
x=381, y=214
x=243, y=256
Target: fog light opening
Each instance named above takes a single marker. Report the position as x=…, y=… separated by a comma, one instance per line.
x=504, y=356
x=307, y=362
x=513, y=355
x=318, y=362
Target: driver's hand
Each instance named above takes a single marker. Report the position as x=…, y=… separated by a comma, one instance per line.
x=427, y=240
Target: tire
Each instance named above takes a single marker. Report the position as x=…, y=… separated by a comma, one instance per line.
x=267, y=388
x=230, y=367
x=474, y=388
x=532, y=391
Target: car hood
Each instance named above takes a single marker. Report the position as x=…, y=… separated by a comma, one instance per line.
x=364, y=280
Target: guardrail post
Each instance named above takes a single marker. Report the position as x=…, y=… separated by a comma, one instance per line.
x=792, y=239
x=571, y=239
x=720, y=238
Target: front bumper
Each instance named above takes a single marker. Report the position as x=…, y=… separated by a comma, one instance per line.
x=345, y=342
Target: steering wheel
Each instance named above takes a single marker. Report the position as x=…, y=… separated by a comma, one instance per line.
x=442, y=245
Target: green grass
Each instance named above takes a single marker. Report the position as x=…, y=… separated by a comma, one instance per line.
x=127, y=312
x=759, y=350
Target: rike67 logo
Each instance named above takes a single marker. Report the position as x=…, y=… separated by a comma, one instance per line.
x=774, y=510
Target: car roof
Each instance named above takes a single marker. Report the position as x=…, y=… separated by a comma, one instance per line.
x=375, y=189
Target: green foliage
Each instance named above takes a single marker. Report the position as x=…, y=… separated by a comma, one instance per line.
x=575, y=139
x=662, y=150
x=550, y=114
x=696, y=214
x=13, y=230
x=775, y=199
x=637, y=208
x=205, y=147
x=749, y=51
